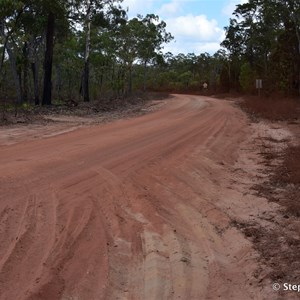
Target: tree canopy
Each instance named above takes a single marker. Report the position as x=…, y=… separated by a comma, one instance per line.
x=264, y=37
x=87, y=49
x=78, y=47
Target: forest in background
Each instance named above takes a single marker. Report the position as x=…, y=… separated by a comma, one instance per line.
x=83, y=50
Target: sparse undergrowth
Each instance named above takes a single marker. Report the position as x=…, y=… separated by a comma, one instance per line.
x=275, y=109
x=287, y=177
x=279, y=244
x=26, y=114
x=278, y=247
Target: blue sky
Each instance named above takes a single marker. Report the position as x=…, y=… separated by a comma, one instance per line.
x=197, y=25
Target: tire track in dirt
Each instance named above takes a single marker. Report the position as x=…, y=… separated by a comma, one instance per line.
x=127, y=210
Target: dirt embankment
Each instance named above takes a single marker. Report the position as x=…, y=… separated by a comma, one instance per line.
x=43, y=122
x=146, y=208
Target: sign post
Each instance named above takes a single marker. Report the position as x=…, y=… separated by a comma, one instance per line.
x=259, y=85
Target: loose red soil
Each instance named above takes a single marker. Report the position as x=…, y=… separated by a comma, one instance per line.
x=134, y=209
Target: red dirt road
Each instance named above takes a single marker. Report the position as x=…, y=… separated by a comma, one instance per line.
x=134, y=209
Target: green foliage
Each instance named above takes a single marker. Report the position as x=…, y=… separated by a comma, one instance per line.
x=185, y=78
x=247, y=78
x=266, y=34
x=262, y=40
x=27, y=106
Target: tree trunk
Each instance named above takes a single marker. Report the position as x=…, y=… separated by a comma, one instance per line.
x=14, y=70
x=145, y=76
x=119, y=82
x=298, y=37
x=86, y=71
x=13, y=63
x=58, y=81
x=25, y=73
x=35, y=70
x=130, y=80
x=101, y=81
x=3, y=55
x=85, y=85
x=47, y=92
x=296, y=20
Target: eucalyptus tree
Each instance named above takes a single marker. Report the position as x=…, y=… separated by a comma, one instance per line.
x=32, y=26
x=152, y=37
x=104, y=55
x=97, y=14
x=23, y=25
x=292, y=9
x=54, y=10
x=127, y=42
x=262, y=34
x=224, y=70
x=10, y=16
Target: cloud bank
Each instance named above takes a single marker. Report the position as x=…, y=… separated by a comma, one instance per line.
x=193, y=32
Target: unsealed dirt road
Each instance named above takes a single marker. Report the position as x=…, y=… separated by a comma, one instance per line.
x=134, y=209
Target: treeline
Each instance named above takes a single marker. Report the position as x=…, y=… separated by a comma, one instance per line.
x=263, y=41
x=186, y=73
x=74, y=49
x=88, y=49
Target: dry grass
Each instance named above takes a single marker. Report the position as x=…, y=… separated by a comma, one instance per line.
x=106, y=108
x=289, y=172
x=287, y=176
x=275, y=109
x=279, y=243
x=279, y=249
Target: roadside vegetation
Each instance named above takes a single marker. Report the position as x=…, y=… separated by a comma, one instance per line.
x=86, y=50
x=278, y=242
x=275, y=108
x=263, y=40
x=286, y=173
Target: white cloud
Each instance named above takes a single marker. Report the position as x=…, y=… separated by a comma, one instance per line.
x=231, y=6
x=171, y=8
x=197, y=28
x=195, y=34
x=197, y=48
x=192, y=33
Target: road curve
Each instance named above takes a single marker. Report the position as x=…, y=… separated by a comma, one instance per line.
x=126, y=210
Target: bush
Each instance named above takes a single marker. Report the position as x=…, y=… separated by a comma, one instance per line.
x=247, y=78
